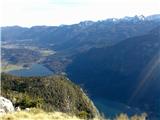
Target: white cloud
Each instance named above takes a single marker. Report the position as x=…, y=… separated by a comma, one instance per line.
x=56, y=12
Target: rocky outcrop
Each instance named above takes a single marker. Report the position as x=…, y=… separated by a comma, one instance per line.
x=5, y=105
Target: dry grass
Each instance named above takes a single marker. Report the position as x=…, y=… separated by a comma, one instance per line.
x=135, y=117
x=36, y=114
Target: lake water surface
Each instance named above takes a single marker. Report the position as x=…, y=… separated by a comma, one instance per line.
x=34, y=70
x=111, y=109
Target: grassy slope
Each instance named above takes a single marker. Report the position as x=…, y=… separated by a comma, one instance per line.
x=37, y=114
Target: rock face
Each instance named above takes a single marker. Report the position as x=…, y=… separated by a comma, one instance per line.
x=5, y=105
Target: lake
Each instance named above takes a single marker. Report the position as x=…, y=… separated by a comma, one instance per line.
x=111, y=108
x=34, y=70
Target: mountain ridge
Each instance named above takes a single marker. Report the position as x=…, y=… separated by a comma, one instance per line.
x=88, y=22
x=116, y=70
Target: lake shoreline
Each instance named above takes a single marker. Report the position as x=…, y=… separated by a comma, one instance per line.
x=33, y=70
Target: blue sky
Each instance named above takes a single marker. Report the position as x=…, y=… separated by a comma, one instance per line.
x=56, y=12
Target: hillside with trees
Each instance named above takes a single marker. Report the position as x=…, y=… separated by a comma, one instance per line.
x=53, y=93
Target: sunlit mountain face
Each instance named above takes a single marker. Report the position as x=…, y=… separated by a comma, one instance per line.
x=115, y=60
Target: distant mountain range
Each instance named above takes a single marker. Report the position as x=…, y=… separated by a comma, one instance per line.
x=68, y=40
x=115, y=59
x=87, y=32
x=84, y=35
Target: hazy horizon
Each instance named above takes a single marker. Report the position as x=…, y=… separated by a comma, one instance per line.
x=77, y=22
x=29, y=13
